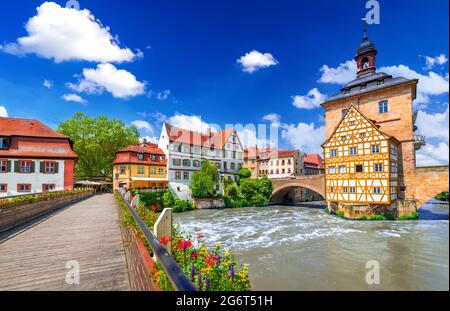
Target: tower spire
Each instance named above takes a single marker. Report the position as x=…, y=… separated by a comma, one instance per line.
x=365, y=56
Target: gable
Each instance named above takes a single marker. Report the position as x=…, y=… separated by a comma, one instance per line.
x=351, y=127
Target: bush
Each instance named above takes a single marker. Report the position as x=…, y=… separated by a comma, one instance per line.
x=442, y=196
x=203, y=182
x=182, y=206
x=376, y=217
x=152, y=198
x=412, y=216
x=340, y=214
x=168, y=199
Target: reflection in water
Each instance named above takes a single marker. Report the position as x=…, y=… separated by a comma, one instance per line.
x=300, y=248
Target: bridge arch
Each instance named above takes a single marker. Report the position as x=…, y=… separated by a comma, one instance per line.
x=281, y=187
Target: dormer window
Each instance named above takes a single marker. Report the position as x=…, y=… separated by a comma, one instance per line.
x=140, y=157
x=4, y=143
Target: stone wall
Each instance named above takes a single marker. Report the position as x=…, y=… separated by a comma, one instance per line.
x=429, y=182
x=208, y=203
x=16, y=214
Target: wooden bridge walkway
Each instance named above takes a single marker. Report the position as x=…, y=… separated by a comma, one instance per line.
x=87, y=232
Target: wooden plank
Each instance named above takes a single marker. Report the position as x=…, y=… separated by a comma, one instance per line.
x=87, y=232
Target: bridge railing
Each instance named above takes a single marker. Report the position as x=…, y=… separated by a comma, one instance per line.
x=176, y=276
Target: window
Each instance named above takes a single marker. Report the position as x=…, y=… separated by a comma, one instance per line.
x=49, y=167
x=153, y=170
x=283, y=171
x=342, y=169
x=177, y=175
x=25, y=167
x=140, y=157
x=176, y=162
x=331, y=189
x=362, y=135
x=393, y=190
x=187, y=163
x=141, y=170
x=383, y=106
x=123, y=169
x=377, y=190
x=196, y=163
x=344, y=190
x=233, y=166
x=375, y=148
x=378, y=168
x=278, y=171
x=359, y=168
x=343, y=112
x=185, y=175
x=289, y=162
x=161, y=158
x=352, y=189
x=282, y=162
x=23, y=188
x=3, y=188
x=3, y=143
x=353, y=151
x=352, y=123
x=365, y=63
x=289, y=171
x=331, y=170
x=153, y=158
x=344, y=137
x=48, y=187
x=3, y=166
x=161, y=171
x=333, y=153
x=234, y=154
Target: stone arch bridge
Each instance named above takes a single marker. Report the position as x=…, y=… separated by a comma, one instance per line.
x=282, y=186
x=428, y=182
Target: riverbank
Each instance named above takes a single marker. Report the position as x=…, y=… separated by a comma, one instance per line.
x=298, y=248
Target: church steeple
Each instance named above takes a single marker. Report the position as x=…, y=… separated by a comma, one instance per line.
x=365, y=56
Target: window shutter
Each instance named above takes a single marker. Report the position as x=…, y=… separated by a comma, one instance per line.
x=56, y=168
x=33, y=166
x=41, y=167
x=16, y=166
x=8, y=166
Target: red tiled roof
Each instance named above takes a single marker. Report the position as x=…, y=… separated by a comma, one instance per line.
x=129, y=154
x=26, y=127
x=151, y=149
x=314, y=159
x=216, y=139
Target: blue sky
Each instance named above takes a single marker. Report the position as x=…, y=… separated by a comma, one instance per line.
x=177, y=61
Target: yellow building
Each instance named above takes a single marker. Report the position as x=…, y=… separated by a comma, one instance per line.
x=361, y=163
x=141, y=167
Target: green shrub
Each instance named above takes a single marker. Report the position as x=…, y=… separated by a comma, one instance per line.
x=152, y=198
x=168, y=199
x=182, y=206
x=376, y=217
x=340, y=214
x=411, y=216
x=203, y=182
x=442, y=196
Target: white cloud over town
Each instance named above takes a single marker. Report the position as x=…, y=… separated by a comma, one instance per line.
x=433, y=125
x=64, y=34
x=143, y=125
x=3, y=112
x=255, y=60
x=430, y=154
x=312, y=100
x=48, y=84
x=435, y=61
x=120, y=83
x=74, y=98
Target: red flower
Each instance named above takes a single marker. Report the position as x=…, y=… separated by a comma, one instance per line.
x=134, y=206
x=153, y=208
x=165, y=240
x=194, y=254
x=210, y=260
x=183, y=245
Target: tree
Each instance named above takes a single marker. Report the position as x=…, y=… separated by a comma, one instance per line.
x=244, y=173
x=204, y=181
x=96, y=141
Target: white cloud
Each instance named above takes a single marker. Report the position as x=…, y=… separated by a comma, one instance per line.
x=143, y=125
x=3, y=112
x=250, y=138
x=430, y=84
x=149, y=139
x=273, y=118
x=433, y=125
x=255, y=60
x=312, y=100
x=342, y=74
x=120, y=83
x=163, y=95
x=74, y=98
x=305, y=137
x=437, y=60
x=65, y=34
x=193, y=123
x=48, y=84
x=430, y=155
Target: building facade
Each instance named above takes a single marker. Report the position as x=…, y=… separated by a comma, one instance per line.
x=141, y=167
x=313, y=164
x=186, y=150
x=284, y=163
x=34, y=158
x=379, y=106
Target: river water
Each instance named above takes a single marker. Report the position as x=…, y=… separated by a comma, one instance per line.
x=303, y=248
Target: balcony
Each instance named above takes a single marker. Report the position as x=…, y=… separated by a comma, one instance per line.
x=419, y=141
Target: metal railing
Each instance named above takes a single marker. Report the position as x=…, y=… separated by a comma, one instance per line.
x=177, y=278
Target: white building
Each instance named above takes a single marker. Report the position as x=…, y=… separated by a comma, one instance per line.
x=185, y=150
